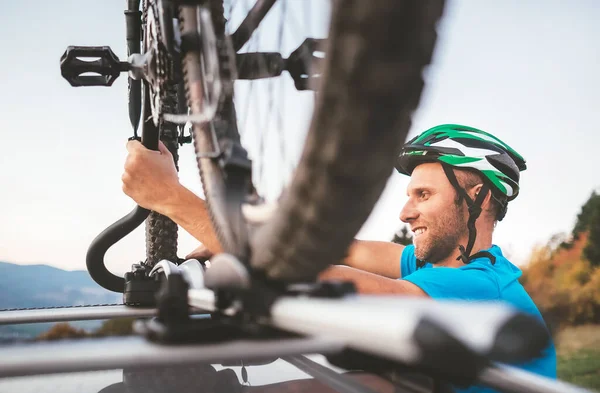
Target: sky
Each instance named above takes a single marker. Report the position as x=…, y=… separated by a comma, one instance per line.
x=525, y=71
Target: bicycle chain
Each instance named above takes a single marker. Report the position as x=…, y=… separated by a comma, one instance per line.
x=225, y=52
x=159, y=86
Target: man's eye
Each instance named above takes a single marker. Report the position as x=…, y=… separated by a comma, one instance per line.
x=424, y=195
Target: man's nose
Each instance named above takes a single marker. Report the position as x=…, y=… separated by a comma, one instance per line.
x=409, y=212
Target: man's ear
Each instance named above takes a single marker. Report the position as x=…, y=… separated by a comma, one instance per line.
x=486, y=205
x=475, y=190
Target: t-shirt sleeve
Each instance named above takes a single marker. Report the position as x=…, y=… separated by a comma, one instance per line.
x=470, y=283
x=408, y=261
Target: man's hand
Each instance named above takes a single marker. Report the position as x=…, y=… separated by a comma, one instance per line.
x=150, y=177
x=201, y=253
x=151, y=180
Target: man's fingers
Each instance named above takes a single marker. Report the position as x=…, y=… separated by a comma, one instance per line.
x=200, y=252
x=125, y=184
x=163, y=148
x=130, y=161
x=133, y=145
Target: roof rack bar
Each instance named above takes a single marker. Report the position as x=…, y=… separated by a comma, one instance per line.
x=83, y=313
x=136, y=352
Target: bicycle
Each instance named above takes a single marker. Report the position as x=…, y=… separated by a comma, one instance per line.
x=368, y=83
x=368, y=118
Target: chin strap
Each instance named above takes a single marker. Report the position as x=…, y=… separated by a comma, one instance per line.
x=474, y=212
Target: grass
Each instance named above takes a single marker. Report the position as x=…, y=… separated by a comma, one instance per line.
x=581, y=368
x=578, y=350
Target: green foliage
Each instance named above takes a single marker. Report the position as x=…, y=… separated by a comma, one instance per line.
x=581, y=368
x=592, y=249
x=116, y=327
x=584, y=216
x=588, y=221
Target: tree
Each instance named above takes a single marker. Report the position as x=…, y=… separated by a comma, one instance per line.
x=62, y=330
x=585, y=216
x=592, y=248
x=588, y=222
x=116, y=327
x=402, y=236
x=558, y=241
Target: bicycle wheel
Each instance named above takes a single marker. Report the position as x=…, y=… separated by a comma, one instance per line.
x=370, y=83
x=160, y=95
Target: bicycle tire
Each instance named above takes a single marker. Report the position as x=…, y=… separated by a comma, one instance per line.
x=223, y=126
x=161, y=233
x=371, y=83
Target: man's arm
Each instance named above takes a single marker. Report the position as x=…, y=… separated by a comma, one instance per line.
x=151, y=180
x=369, y=283
x=190, y=212
x=382, y=258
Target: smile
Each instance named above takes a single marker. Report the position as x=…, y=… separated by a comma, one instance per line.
x=419, y=231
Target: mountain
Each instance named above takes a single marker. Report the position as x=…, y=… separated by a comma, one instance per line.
x=46, y=286
x=34, y=286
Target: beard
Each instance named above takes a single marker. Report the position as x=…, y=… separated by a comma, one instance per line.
x=442, y=237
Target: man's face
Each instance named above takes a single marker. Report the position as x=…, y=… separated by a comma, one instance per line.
x=439, y=225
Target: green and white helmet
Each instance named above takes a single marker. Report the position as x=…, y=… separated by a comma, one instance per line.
x=463, y=147
x=466, y=147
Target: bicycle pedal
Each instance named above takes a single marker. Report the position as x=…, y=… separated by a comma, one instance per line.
x=304, y=63
x=102, y=63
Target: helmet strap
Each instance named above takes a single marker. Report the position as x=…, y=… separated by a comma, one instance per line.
x=474, y=211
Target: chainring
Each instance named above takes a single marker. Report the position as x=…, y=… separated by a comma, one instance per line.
x=158, y=74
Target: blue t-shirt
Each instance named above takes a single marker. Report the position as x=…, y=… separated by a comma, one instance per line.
x=480, y=280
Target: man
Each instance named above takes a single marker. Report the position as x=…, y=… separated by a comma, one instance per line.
x=461, y=180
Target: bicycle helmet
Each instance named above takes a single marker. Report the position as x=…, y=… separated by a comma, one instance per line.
x=463, y=147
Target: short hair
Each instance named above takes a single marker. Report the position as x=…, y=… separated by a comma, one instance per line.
x=469, y=178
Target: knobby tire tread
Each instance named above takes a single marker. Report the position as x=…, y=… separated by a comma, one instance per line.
x=211, y=173
x=377, y=51
x=372, y=82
